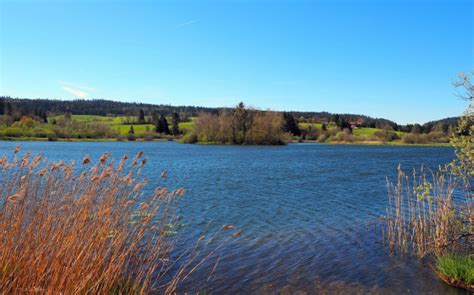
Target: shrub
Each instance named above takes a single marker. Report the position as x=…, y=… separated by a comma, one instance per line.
x=386, y=135
x=459, y=268
x=344, y=136
x=37, y=132
x=323, y=137
x=148, y=136
x=438, y=136
x=52, y=136
x=414, y=138
x=13, y=132
x=190, y=138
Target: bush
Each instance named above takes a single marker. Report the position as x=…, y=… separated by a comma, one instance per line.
x=190, y=138
x=437, y=136
x=52, y=136
x=13, y=132
x=40, y=133
x=459, y=268
x=149, y=136
x=344, y=136
x=323, y=137
x=414, y=138
x=386, y=135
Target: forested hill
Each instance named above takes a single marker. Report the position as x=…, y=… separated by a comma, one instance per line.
x=102, y=107
x=98, y=107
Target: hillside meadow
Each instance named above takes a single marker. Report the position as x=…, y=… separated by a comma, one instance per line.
x=111, y=128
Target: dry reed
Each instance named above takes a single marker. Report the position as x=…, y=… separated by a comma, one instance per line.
x=88, y=229
x=423, y=215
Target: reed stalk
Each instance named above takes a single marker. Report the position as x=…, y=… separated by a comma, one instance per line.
x=89, y=229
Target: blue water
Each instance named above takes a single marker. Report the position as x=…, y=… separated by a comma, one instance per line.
x=308, y=212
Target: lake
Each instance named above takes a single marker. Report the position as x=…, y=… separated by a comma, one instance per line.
x=308, y=212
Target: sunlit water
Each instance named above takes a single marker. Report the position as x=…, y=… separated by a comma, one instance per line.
x=307, y=212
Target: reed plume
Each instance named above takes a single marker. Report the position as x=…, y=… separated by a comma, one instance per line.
x=88, y=229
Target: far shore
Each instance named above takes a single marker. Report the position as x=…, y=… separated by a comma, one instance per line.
x=367, y=143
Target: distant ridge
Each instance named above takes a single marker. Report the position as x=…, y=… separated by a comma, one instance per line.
x=103, y=107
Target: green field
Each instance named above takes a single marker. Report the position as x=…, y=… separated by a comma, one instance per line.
x=123, y=129
x=306, y=125
x=185, y=126
x=119, y=120
x=371, y=131
x=119, y=124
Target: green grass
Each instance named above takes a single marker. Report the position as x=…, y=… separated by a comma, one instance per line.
x=371, y=131
x=117, y=123
x=306, y=125
x=98, y=119
x=185, y=126
x=457, y=267
x=139, y=129
x=365, y=131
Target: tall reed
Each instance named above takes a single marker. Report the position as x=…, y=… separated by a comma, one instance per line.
x=88, y=229
x=423, y=215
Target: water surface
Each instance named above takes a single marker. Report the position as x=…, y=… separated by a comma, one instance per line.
x=307, y=211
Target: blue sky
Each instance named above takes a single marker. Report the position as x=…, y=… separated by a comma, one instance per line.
x=392, y=59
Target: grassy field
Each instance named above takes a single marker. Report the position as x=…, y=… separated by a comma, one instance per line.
x=119, y=124
x=371, y=131
x=123, y=129
x=306, y=125
x=185, y=126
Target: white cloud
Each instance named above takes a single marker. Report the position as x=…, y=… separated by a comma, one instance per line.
x=186, y=23
x=77, y=91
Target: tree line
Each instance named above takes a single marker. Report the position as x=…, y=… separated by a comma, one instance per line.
x=17, y=107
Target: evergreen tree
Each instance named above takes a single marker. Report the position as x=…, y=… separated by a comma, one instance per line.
x=2, y=106
x=290, y=124
x=8, y=109
x=141, y=117
x=44, y=116
x=164, y=125
x=131, y=134
x=175, y=129
x=158, y=124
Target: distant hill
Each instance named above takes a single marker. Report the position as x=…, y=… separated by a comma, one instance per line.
x=102, y=107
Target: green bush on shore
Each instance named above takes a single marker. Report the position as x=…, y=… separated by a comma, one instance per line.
x=460, y=268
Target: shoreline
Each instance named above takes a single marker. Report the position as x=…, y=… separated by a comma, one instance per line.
x=367, y=143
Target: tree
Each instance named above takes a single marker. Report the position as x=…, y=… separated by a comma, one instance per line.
x=290, y=124
x=241, y=121
x=161, y=125
x=175, y=129
x=417, y=129
x=336, y=119
x=8, y=109
x=2, y=106
x=67, y=115
x=141, y=117
x=462, y=139
x=131, y=134
x=164, y=125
